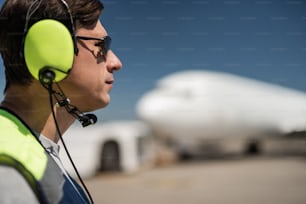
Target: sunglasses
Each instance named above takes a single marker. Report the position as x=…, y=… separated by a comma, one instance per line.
x=104, y=43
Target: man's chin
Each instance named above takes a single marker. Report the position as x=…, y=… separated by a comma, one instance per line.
x=99, y=106
x=94, y=105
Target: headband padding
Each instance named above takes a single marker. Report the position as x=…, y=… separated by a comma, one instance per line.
x=49, y=44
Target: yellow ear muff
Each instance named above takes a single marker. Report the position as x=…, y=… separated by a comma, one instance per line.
x=49, y=45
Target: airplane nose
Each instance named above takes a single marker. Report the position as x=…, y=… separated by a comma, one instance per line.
x=148, y=107
x=154, y=106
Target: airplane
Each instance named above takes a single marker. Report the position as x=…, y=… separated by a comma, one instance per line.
x=191, y=108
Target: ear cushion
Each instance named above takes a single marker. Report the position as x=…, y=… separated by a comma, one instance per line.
x=49, y=44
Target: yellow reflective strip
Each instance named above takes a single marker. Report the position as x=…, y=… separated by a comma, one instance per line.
x=17, y=141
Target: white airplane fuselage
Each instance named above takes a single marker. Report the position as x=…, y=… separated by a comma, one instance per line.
x=190, y=106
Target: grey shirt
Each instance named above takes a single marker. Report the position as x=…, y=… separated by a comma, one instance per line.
x=14, y=188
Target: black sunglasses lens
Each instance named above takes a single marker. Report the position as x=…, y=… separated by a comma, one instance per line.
x=106, y=44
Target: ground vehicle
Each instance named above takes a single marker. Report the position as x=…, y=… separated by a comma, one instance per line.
x=111, y=146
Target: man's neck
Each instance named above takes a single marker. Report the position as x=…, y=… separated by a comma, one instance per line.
x=32, y=105
x=64, y=121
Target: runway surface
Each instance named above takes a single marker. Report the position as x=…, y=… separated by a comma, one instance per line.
x=254, y=180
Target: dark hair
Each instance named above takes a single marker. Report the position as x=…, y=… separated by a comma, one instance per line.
x=85, y=13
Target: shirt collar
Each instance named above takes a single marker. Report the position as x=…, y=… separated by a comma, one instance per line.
x=49, y=144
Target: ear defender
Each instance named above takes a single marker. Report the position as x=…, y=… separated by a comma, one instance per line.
x=48, y=46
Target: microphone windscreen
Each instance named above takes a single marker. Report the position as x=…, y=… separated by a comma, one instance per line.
x=88, y=119
x=92, y=117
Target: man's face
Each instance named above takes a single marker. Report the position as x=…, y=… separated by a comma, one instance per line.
x=91, y=78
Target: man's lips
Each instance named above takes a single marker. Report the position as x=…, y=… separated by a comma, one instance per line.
x=109, y=81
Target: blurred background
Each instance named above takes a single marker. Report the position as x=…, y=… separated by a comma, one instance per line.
x=262, y=40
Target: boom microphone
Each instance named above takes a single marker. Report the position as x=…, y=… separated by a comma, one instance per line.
x=84, y=119
x=87, y=119
x=46, y=77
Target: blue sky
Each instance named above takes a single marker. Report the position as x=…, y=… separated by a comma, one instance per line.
x=261, y=39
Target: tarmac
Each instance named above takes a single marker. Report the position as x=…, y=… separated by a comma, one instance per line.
x=267, y=179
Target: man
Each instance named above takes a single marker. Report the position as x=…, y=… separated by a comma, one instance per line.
x=29, y=167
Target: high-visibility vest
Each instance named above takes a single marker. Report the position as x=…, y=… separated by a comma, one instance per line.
x=20, y=149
